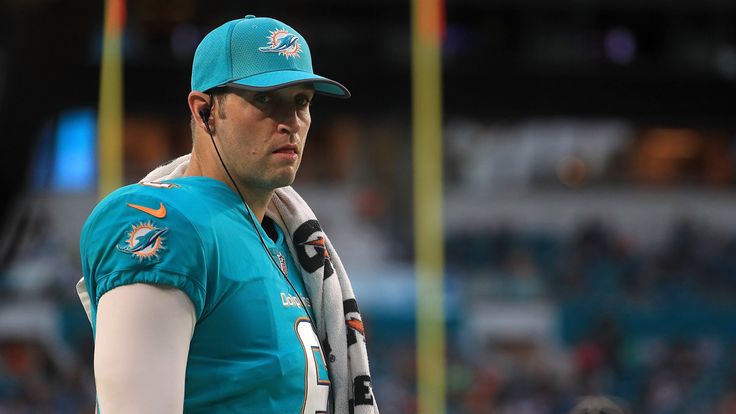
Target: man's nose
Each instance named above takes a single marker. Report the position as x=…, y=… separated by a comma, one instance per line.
x=288, y=120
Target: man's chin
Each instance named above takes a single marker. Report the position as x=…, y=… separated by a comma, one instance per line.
x=283, y=181
x=276, y=179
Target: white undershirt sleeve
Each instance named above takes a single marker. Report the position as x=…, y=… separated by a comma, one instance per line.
x=141, y=346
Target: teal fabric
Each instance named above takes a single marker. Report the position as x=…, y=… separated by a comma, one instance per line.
x=246, y=354
x=257, y=52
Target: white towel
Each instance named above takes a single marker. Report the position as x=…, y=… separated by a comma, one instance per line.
x=339, y=324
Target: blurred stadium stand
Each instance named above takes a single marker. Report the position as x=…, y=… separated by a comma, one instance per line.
x=590, y=162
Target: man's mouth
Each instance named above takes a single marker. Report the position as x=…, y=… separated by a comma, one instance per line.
x=287, y=149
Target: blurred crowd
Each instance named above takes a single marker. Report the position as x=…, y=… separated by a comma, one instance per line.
x=45, y=339
x=648, y=326
x=597, y=262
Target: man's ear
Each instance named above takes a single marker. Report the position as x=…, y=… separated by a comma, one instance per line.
x=201, y=108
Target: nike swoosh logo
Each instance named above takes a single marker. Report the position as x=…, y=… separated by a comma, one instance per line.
x=158, y=213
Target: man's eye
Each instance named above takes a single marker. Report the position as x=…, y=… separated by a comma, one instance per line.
x=262, y=98
x=303, y=100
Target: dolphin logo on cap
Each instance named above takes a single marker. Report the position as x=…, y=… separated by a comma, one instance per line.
x=282, y=42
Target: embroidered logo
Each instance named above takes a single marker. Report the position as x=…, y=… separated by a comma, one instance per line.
x=282, y=42
x=282, y=263
x=144, y=241
x=160, y=212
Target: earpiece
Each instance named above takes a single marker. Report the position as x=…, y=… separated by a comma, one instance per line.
x=205, y=115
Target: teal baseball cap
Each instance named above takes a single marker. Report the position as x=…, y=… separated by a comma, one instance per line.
x=257, y=53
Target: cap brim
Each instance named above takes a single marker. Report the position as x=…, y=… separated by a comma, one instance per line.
x=283, y=78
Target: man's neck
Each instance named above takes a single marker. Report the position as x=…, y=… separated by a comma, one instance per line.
x=258, y=202
x=256, y=199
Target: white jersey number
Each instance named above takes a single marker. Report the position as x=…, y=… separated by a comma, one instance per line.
x=317, y=383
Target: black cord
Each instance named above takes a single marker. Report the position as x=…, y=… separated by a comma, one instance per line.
x=251, y=216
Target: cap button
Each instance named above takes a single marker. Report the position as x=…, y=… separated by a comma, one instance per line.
x=250, y=16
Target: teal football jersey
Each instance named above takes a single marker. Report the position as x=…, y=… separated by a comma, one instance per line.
x=254, y=349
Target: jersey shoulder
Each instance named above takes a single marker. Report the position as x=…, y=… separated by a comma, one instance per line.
x=175, y=201
x=157, y=205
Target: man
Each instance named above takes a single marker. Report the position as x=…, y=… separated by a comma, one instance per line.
x=210, y=286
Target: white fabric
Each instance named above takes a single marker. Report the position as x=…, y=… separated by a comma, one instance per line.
x=84, y=298
x=348, y=364
x=327, y=297
x=140, y=355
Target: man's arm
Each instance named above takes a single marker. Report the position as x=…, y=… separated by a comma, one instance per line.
x=141, y=346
